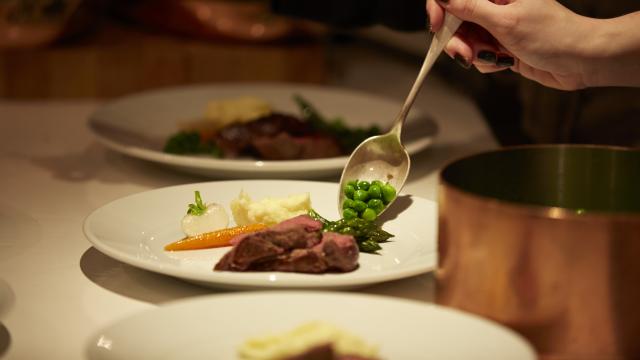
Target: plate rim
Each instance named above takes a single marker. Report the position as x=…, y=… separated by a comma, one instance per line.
x=245, y=280
x=239, y=166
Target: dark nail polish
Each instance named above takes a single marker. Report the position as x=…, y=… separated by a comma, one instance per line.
x=462, y=61
x=505, y=61
x=443, y=1
x=488, y=57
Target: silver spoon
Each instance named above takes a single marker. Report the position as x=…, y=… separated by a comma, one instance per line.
x=383, y=157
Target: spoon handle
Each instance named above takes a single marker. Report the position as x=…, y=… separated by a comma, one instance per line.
x=438, y=42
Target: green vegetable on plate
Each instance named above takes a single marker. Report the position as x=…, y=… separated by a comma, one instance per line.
x=368, y=234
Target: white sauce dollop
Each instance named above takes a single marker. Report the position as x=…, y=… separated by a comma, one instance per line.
x=214, y=218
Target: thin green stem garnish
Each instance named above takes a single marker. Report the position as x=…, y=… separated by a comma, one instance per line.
x=368, y=234
x=198, y=208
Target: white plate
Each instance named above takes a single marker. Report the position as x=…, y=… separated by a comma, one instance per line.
x=135, y=229
x=139, y=125
x=213, y=326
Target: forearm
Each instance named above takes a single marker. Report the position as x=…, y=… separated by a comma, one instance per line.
x=612, y=52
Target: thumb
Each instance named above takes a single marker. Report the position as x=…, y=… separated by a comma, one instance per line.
x=482, y=12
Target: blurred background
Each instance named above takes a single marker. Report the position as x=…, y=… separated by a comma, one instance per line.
x=71, y=49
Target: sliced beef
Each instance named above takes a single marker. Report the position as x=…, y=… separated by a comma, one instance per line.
x=298, y=260
x=283, y=146
x=304, y=221
x=340, y=251
x=248, y=251
x=320, y=352
x=324, y=352
x=237, y=139
x=294, y=245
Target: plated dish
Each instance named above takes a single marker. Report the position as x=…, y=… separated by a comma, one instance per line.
x=215, y=326
x=139, y=125
x=135, y=229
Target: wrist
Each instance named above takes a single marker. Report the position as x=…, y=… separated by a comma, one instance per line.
x=611, y=52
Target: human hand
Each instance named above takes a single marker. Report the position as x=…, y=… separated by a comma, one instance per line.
x=540, y=39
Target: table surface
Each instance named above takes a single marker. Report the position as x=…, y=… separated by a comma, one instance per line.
x=55, y=173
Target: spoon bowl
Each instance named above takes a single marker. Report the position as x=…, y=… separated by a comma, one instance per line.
x=383, y=157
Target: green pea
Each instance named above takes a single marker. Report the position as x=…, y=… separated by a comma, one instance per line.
x=376, y=204
x=377, y=182
x=363, y=185
x=388, y=193
x=375, y=192
x=349, y=214
x=361, y=195
x=353, y=183
x=368, y=214
x=359, y=205
x=349, y=190
x=347, y=203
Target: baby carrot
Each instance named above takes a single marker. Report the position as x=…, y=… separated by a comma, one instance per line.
x=213, y=239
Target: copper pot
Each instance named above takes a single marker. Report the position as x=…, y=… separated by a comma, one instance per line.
x=546, y=240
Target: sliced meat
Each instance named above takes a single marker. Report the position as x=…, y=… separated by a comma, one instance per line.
x=319, y=352
x=340, y=251
x=237, y=139
x=304, y=221
x=294, y=245
x=298, y=260
x=283, y=146
x=245, y=253
x=324, y=352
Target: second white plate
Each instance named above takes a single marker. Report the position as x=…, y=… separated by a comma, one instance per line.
x=136, y=228
x=139, y=125
x=214, y=326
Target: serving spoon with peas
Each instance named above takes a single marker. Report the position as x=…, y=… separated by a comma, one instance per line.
x=383, y=157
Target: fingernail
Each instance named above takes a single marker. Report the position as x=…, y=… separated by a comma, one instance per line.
x=488, y=57
x=462, y=61
x=505, y=61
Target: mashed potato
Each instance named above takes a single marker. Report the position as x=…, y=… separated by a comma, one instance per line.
x=240, y=110
x=305, y=337
x=270, y=210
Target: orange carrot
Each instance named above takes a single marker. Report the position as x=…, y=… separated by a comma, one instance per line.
x=213, y=239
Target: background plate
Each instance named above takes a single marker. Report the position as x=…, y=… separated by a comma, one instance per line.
x=139, y=125
x=213, y=326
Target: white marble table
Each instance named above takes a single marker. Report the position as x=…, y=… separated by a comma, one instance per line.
x=54, y=173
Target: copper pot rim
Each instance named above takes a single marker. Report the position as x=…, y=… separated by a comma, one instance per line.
x=541, y=211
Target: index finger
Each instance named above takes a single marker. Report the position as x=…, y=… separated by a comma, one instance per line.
x=436, y=15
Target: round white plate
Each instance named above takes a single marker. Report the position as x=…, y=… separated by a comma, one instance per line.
x=213, y=326
x=136, y=228
x=139, y=125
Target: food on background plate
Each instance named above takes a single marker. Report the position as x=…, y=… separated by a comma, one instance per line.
x=242, y=109
x=311, y=340
x=270, y=210
x=248, y=127
x=298, y=244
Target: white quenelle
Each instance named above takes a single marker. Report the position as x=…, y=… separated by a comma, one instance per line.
x=202, y=218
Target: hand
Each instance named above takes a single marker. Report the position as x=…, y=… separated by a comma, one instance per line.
x=540, y=39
